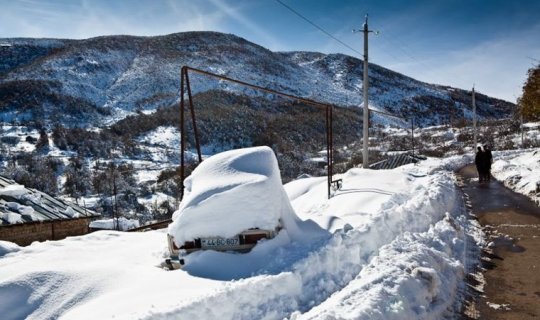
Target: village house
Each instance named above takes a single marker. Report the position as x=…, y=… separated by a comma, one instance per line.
x=28, y=215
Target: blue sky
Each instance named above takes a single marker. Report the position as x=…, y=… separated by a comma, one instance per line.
x=454, y=42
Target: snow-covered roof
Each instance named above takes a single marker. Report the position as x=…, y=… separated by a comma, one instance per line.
x=19, y=205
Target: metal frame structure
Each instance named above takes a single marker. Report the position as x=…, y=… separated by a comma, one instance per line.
x=186, y=86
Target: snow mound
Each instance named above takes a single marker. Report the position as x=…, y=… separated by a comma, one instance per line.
x=519, y=171
x=124, y=224
x=231, y=192
x=8, y=247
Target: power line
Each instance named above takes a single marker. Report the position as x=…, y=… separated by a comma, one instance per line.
x=319, y=28
x=331, y=36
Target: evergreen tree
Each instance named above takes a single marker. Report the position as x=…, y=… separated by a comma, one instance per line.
x=43, y=142
x=35, y=172
x=117, y=186
x=77, y=178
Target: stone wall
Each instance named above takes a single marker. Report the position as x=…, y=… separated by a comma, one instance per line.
x=25, y=234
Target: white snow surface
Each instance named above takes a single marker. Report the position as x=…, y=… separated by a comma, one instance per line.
x=396, y=245
x=111, y=224
x=519, y=170
x=14, y=190
x=8, y=247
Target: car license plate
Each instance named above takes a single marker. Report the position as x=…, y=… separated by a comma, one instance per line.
x=217, y=243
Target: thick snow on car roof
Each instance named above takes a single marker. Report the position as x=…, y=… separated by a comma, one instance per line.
x=231, y=192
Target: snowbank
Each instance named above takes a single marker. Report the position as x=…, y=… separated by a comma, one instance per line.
x=8, y=247
x=231, y=192
x=123, y=224
x=333, y=266
x=416, y=276
x=519, y=171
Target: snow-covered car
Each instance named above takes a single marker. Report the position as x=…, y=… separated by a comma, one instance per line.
x=242, y=242
x=232, y=201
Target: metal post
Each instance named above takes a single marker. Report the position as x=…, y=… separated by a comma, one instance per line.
x=328, y=109
x=412, y=135
x=115, y=202
x=182, y=132
x=365, y=84
x=475, y=139
x=331, y=141
x=521, y=125
x=328, y=178
x=192, y=110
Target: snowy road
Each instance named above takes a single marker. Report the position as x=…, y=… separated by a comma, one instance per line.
x=404, y=257
x=511, y=222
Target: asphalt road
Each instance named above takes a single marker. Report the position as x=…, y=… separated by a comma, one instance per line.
x=511, y=262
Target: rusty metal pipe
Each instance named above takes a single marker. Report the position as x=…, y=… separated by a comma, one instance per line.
x=308, y=101
x=182, y=131
x=184, y=73
x=197, y=144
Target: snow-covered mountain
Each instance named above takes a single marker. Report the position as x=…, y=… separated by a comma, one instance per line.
x=104, y=79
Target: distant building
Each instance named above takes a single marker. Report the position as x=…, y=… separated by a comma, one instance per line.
x=28, y=215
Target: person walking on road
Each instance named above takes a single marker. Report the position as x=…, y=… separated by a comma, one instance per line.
x=488, y=161
x=480, y=162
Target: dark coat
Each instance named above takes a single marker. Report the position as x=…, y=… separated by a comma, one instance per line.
x=481, y=161
x=488, y=158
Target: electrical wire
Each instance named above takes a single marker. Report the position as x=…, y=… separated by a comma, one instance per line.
x=387, y=39
x=331, y=36
x=319, y=28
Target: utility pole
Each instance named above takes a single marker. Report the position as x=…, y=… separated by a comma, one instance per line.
x=475, y=141
x=365, y=85
x=116, y=226
x=412, y=135
x=521, y=126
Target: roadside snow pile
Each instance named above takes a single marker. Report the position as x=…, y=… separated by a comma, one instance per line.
x=416, y=276
x=396, y=205
x=519, y=171
x=122, y=223
x=232, y=192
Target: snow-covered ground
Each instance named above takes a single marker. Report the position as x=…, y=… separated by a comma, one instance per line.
x=519, y=170
x=115, y=224
x=397, y=245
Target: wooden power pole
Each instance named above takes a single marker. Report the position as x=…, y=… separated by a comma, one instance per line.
x=475, y=139
x=365, y=85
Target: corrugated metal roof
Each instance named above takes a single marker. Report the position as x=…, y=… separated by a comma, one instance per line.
x=33, y=206
x=396, y=161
